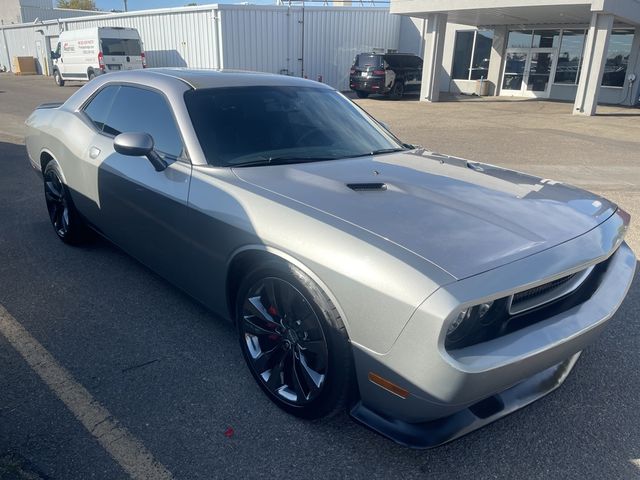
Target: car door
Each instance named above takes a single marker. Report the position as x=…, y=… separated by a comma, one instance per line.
x=141, y=210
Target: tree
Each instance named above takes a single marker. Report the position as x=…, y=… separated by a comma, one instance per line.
x=78, y=4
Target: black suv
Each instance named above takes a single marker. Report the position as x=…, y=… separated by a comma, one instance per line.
x=390, y=74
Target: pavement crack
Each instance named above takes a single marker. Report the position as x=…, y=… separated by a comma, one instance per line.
x=141, y=365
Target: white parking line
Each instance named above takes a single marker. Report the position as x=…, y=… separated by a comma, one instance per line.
x=125, y=449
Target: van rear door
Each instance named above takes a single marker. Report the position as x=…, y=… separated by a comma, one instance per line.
x=121, y=53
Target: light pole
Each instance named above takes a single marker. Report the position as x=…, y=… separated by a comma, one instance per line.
x=125, y=6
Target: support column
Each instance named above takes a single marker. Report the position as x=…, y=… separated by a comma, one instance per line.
x=498, y=47
x=593, y=63
x=433, y=36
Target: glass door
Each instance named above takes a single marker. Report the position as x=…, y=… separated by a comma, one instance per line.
x=527, y=72
x=541, y=64
x=514, y=72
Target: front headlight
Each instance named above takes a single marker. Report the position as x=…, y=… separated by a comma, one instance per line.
x=469, y=323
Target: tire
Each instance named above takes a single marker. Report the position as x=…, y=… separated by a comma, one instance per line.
x=294, y=341
x=64, y=217
x=397, y=91
x=91, y=75
x=362, y=94
x=58, y=78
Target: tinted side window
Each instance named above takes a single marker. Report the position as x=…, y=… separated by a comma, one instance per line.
x=140, y=110
x=98, y=108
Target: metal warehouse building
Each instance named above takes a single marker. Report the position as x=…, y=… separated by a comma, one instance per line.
x=585, y=51
x=294, y=40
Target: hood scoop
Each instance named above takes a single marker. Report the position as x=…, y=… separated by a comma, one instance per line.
x=367, y=187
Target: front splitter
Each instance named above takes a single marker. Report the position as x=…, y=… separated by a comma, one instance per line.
x=443, y=430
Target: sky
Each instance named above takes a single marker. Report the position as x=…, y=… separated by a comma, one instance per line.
x=146, y=4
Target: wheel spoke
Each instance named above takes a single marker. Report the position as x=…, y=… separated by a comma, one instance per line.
x=252, y=327
x=53, y=191
x=270, y=289
x=255, y=307
x=313, y=379
x=317, y=347
x=275, y=377
x=55, y=214
x=262, y=363
x=295, y=378
x=65, y=218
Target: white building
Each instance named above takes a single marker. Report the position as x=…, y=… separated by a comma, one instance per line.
x=292, y=40
x=585, y=51
x=27, y=11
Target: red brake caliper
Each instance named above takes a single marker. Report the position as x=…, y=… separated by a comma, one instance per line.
x=273, y=312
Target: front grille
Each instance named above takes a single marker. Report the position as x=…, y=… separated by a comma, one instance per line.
x=548, y=292
x=539, y=290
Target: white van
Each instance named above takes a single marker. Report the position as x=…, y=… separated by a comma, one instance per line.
x=84, y=54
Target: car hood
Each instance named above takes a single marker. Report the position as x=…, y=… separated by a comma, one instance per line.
x=464, y=217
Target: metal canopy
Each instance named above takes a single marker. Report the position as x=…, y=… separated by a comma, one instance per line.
x=520, y=12
x=564, y=14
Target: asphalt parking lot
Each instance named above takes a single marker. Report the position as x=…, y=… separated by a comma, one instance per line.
x=170, y=374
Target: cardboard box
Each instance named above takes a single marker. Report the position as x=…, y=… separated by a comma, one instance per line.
x=24, y=66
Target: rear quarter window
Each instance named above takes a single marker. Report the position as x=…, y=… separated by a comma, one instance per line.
x=98, y=108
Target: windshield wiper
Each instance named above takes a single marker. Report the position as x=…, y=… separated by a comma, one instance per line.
x=379, y=152
x=281, y=160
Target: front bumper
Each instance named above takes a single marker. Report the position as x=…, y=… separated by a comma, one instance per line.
x=442, y=430
x=451, y=393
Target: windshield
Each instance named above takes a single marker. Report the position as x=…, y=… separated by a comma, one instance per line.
x=253, y=125
x=369, y=60
x=121, y=46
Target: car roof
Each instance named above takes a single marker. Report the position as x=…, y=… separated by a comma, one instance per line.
x=209, y=78
x=177, y=80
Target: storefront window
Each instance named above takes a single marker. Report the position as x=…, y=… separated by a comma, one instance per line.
x=570, y=57
x=481, y=54
x=519, y=39
x=615, y=69
x=546, y=38
x=471, y=55
x=462, y=55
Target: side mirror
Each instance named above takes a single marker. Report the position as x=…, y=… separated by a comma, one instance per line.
x=135, y=144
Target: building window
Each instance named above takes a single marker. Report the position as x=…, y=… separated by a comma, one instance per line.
x=519, y=39
x=615, y=69
x=570, y=57
x=471, y=55
x=546, y=38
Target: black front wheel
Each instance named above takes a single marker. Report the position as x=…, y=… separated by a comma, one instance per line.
x=66, y=221
x=58, y=78
x=397, y=91
x=362, y=94
x=294, y=341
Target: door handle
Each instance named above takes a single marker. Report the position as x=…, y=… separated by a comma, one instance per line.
x=94, y=152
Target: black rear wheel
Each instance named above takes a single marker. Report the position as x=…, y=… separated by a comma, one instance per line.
x=294, y=341
x=362, y=94
x=66, y=221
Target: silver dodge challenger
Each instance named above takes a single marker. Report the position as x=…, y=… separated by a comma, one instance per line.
x=427, y=294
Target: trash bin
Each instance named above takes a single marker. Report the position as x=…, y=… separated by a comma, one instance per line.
x=482, y=87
